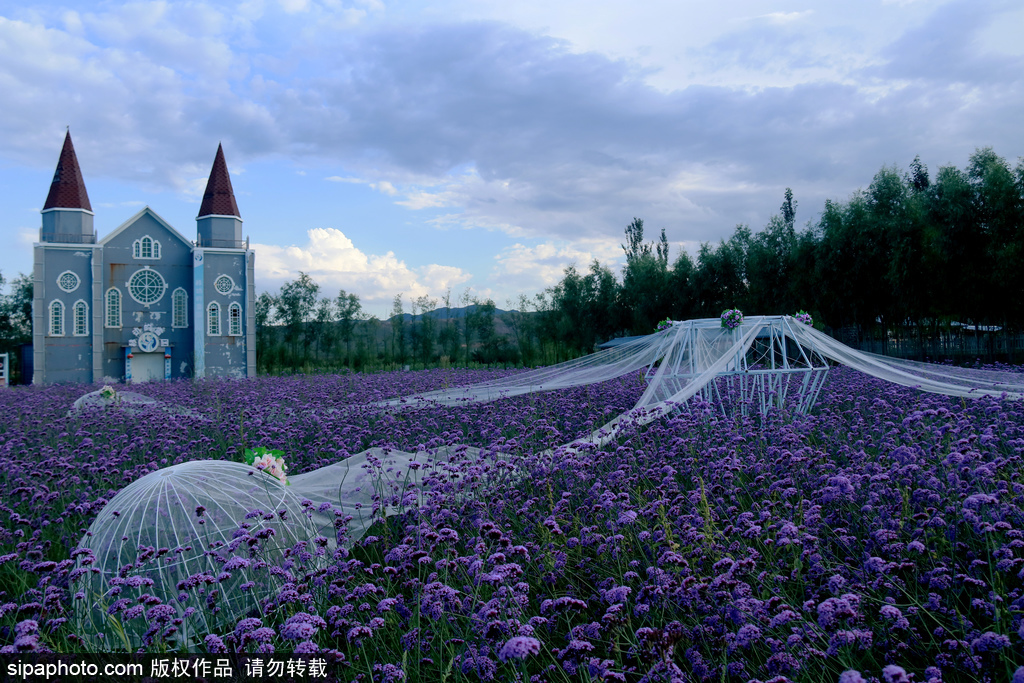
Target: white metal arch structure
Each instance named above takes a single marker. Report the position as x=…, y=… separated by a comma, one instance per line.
x=774, y=368
x=759, y=362
x=768, y=361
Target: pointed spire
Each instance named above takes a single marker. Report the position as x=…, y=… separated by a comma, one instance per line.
x=219, y=198
x=67, y=191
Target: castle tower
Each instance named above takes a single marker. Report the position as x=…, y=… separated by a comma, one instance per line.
x=67, y=213
x=219, y=223
x=222, y=283
x=65, y=274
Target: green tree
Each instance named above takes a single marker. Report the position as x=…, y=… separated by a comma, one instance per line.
x=644, y=292
x=523, y=326
x=961, y=246
x=680, y=288
x=720, y=281
x=788, y=209
x=16, y=312
x=635, y=247
x=323, y=318
x=918, y=177
x=427, y=328
x=481, y=320
x=399, y=350
x=15, y=320
x=999, y=205
x=264, y=310
x=294, y=307
x=448, y=337
x=769, y=262
x=348, y=311
x=893, y=285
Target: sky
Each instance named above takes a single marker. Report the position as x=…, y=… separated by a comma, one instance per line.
x=478, y=147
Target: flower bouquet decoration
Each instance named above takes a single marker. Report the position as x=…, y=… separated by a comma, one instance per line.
x=663, y=325
x=804, y=317
x=268, y=460
x=108, y=392
x=732, y=318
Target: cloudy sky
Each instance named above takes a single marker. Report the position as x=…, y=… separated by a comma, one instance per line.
x=391, y=147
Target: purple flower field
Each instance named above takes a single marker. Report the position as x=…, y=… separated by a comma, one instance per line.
x=879, y=539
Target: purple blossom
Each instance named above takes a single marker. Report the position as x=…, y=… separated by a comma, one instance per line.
x=895, y=616
x=214, y=644
x=302, y=626
x=989, y=642
x=519, y=647
x=748, y=635
x=161, y=613
x=891, y=673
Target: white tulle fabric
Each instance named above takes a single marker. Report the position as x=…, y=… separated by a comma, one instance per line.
x=930, y=377
x=680, y=362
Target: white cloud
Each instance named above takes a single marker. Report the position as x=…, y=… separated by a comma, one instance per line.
x=522, y=268
x=293, y=6
x=422, y=199
x=786, y=17
x=385, y=187
x=334, y=262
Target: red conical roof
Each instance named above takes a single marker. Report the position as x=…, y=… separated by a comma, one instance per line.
x=219, y=198
x=67, y=191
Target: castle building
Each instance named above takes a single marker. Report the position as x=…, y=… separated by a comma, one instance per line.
x=144, y=302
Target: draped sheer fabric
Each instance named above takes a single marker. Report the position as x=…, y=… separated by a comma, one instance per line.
x=680, y=362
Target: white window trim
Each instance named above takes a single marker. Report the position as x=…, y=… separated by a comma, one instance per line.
x=107, y=308
x=231, y=320
x=230, y=279
x=137, y=249
x=74, y=319
x=128, y=286
x=174, y=319
x=55, y=305
x=78, y=281
x=214, y=306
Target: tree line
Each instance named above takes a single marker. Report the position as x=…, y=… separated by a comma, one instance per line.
x=298, y=329
x=910, y=254
x=15, y=320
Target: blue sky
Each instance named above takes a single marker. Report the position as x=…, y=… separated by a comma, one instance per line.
x=418, y=148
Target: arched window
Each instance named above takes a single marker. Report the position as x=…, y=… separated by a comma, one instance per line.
x=113, y=301
x=80, y=318
x=213, y=319
x=234, y=320
x=179, y=305
x=56, y=319
x=146, y=247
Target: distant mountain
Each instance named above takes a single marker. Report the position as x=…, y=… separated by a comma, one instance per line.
x=446, y=313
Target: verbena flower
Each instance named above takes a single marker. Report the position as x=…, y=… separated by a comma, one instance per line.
x=519, y=647
x=732, y=318
x=893, y=673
